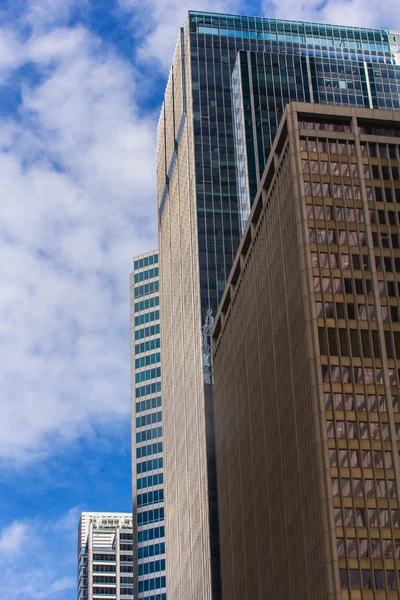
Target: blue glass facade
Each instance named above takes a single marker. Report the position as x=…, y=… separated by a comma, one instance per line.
x=147, y=451
x=264, y=82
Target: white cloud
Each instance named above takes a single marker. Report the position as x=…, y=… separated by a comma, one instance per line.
x=10, y=52
x=42, y=13
x=12, y=539
x=58, y=43
x=156, y=23
x=361, y=13
x=77, y=174
x=78, y=202
x=34, y=565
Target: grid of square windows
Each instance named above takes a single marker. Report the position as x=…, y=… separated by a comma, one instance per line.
x=359, y=391
x=147, y=313
x=264, y=82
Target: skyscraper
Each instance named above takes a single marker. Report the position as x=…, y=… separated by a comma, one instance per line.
x=105, y=556
x=264, y=82
x=199, y=232
x=147, y=445
x=306, y=350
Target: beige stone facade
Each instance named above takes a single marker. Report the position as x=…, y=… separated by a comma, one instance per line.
x=306, y=349
x=185, y=473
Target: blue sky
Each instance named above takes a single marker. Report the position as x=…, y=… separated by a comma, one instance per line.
x=81, y=82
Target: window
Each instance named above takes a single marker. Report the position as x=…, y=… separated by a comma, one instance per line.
x=324, y=125
x=379, y=580
x=147, y=375
x=154, y=463
x=152, y=584
x=149, y=450
x=354, y=579
x=150, y=516
x=104, y=591
x=146, y=346
x=151, y=497
x=147, y=332
x=151, y=567
x=103, y=579
x=151, y=550
x=145, y=261
x=143, y=275
x=147, y=317
x=145, y=304
x=151, y=534
x=342, y=573
x=104, y=557
x=366, y=578
x=147, y=288
x=148, y=404
x=145, y=361
x=146, y=390
x=150, y=481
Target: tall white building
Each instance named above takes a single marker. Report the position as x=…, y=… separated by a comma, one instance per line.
x=105, y=556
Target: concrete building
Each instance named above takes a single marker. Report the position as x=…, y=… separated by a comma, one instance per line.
x=306, y=349
x=105, y=558
x=200, y=223
x=147, y=444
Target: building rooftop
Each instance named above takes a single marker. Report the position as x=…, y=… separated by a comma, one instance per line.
x=364, y=115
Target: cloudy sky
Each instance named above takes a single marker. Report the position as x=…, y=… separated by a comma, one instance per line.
x=81, y=82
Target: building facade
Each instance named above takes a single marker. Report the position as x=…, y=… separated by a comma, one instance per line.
x=147, y=435
x=199, y=233
x=306, y=349
x=105, y=567
x=264, y=82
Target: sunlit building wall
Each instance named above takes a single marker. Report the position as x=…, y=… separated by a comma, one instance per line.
x=105, y=559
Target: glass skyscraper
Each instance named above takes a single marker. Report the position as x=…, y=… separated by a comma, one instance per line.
x=147, y=444
x=264, y=82
x=199, y=233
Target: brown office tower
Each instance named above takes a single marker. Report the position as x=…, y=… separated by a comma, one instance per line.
x=306, y=365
